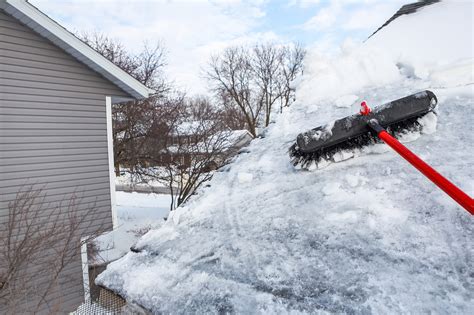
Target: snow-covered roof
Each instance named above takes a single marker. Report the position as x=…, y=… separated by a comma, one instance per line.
x=406, y=9
x=238, y=138
x=366, y=235
x=436, y=39
x=48, y=28
x=222, y=141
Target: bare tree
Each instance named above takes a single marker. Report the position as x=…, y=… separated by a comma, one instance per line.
x=232, y=75
x=267, y=72
x=151, y=61
x=254, y=79
x=111, y=49
x=231, y=116
x=146, y=66
x=36, y=236
x=131, y=120
x=292, y=66
x=190, y=143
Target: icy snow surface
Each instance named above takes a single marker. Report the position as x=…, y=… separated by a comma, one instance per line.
x=136, y=213
x=366, y=235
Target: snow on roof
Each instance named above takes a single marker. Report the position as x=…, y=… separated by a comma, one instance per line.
x=48, y=28
x=222, y=141
x=237, y=138
x=366, y=235
x=438, y=36
x=406, y=9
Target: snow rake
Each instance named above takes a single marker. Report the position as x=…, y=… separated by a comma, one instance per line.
x=372, y=126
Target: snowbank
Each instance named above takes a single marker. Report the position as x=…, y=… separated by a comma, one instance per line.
x=367, y=235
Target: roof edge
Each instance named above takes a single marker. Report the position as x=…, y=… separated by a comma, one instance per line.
x=50, y=29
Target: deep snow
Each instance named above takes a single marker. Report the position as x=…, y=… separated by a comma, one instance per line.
x=366, y=235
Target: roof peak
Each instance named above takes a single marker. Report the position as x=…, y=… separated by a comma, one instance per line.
x=45, y=26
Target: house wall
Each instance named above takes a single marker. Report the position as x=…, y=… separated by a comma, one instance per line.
x=53, y=134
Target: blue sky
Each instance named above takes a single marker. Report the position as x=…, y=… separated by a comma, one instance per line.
x=311, y=22
x=192, y=31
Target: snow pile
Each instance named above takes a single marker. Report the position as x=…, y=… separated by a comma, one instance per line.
x=355, y=68
x=367, y=235
x=436, y=43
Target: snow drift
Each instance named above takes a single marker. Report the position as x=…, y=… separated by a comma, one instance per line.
x=367, y=235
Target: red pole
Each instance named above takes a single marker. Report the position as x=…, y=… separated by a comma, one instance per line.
x=454, y=192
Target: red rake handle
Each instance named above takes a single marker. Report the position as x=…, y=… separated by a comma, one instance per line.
x=452, y=190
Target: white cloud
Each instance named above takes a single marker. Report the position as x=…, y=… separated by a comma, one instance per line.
x=353, y=14
x=372, y=17
x=303, y=3
x=325, y=18
x=192, y=30
x=188, y=29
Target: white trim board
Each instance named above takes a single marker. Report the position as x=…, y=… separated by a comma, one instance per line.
x=110, y=151
x=85, y=271
x=48, y=28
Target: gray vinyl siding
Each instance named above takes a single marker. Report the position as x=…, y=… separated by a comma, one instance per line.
x=53, y=133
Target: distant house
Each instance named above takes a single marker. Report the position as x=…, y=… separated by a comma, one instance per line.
x=186, y=145
x=237, y=140
x=55, y=123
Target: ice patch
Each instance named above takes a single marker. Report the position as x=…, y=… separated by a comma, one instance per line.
x=165, y=233
x=346, y=100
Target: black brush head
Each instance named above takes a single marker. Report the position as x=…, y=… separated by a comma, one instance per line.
x=304, y=159
x=351, y=133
